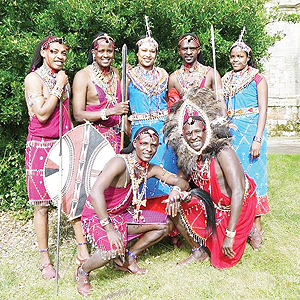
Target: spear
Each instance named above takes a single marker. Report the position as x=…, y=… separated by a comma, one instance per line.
x=124, y=90
x=214, y=59
x=60, y=178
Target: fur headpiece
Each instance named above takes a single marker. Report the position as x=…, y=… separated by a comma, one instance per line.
x=217, y=127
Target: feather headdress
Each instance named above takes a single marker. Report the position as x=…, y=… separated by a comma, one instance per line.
x=202, y=102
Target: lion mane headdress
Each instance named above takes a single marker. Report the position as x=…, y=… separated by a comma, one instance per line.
x=201, y=104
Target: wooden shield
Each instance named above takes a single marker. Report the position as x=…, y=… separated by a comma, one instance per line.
x=85, y=151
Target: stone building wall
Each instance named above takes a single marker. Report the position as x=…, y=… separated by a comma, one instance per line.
x=282, y=71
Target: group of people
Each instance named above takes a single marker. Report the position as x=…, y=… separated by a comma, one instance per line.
x=196, y=164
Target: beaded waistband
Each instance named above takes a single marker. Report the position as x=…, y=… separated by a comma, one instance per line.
x=242, y=111
x=145, y=116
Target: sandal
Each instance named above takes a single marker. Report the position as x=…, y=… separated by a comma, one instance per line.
x=255, y=238
x=126, y=266
x=82, y=282
x=191, y=258
x=48, y=271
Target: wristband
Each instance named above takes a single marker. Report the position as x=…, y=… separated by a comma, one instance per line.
x=230, y=234
x=57, y=92
x=103, y=114
x=105, y=221
x=257, y=139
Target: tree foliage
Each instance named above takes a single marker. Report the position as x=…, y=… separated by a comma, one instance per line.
x=23, y=23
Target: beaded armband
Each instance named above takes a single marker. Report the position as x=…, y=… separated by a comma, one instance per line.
x=57, y=92
x=105, y=221
x=103, y=114
x=230, y=234
x=32, y=98
x=257, y=139
x=166, y=174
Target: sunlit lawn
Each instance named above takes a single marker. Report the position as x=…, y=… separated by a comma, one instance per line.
x=271, y=273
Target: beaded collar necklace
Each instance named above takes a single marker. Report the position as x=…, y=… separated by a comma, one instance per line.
x=138, y=175
x=233, y=82
x=191, y=77
x=48, y=76
x=107, y=81
x=151, y=82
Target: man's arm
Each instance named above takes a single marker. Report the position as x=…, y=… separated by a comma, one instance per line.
x=234, y=183
x=42, y=106
x=109, y=176
x=262, y=95
x=180, y=184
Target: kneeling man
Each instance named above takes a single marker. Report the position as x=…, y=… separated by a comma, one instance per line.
x=200, y=137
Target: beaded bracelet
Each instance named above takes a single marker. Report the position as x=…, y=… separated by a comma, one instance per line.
x=176, y=188
x=257, y=139
x=105, y=221
x=56, y=91
x=230, y=234
x=103, y=114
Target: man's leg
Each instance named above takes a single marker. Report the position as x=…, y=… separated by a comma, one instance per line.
x=198, y=252
x=82, y=250
x=81, y=275
x=40, y=222
x=153, y=233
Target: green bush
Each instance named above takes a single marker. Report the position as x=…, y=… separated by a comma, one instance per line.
x=23, y=23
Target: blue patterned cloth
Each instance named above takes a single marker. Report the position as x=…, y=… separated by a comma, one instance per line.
x=242, y=140
x=141, y=103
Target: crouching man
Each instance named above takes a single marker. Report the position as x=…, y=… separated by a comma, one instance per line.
x=108, y=218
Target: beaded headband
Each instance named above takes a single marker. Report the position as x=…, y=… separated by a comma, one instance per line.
x=104, y=37
x=187, y=111
x=153, y=134
x=49, y=41
x=189, y=38
x=149, y=40
x=240, y=44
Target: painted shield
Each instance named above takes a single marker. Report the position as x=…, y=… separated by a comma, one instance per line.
x=85, y=151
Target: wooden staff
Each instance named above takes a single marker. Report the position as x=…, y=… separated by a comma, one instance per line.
x=214, y=59
x=124, y=91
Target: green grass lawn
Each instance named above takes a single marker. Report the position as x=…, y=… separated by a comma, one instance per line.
x=273, y=272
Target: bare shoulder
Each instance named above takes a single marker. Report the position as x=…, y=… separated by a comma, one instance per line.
x=117, y=163
x=83, y=74
x=33, y=82
x=172, y=80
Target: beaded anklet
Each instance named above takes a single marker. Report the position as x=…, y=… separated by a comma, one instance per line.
x=197, y=249
x=82, y=272
x=44, y=250
x=130, y=254
x=81, y=244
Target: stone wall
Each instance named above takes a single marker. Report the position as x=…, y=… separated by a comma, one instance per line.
x=282, y=70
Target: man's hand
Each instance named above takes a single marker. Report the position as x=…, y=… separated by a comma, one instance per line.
x=115, y=239
x=227, y=247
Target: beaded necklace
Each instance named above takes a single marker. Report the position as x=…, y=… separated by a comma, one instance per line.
x=49, y=78
x=107, y=81
x=151, y=82
x=233, y=82
x=138, y=175
x=191, y=77
x=201, y=174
